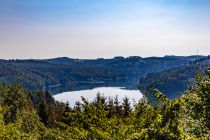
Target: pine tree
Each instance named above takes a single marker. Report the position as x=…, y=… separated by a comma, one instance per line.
x=78, y=107
x=126, y=107
x=118, y=107
x=43, y=112
x=111, y=108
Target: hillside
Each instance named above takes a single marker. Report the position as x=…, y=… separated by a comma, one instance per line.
x=133, y=66
x=26, y=114
x=64, y=74
x=34, y=74
x=175, y=81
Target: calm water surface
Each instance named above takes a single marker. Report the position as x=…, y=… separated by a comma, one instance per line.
x=74, y=96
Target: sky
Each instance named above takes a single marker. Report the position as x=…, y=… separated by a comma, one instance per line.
x=91, y=29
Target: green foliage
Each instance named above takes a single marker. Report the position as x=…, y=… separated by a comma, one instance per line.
x=64, y=74
x=43, y=112
x=154, y=117
x=174, y=81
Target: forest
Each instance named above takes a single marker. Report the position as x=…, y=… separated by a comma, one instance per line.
x=65, y=74
x=174, y=81
x=27, y=114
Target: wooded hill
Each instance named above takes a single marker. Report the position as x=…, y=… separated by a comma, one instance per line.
x=36, y=115
x=176, y=80
x=63, y=74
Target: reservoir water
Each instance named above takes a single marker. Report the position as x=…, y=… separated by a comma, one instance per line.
x=73, y=96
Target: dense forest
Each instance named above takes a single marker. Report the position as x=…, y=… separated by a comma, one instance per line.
x=40, y=74
x=64, y=74
x=176, y=80
x=26, y=114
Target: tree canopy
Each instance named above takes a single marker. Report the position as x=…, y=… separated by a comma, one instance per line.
x=28, y=114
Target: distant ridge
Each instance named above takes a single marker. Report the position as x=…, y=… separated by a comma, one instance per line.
x=176, y=80
x=74, y=74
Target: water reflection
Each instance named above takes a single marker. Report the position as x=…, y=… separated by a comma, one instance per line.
x=90, y=94
x=60, y=88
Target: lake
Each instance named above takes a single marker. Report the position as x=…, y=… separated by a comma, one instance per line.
x=73, y=96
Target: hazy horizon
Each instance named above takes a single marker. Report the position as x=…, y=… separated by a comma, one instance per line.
x=93, y=29
x=99, y=57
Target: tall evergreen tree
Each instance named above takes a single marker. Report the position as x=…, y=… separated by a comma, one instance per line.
x=126, y=107
x=43, y=112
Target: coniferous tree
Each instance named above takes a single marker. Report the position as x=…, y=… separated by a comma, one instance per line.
x=111, y=108
x=67, y=107
x=14, y=98
x=43, y=112
x=78, y=107
x=126, y=107
x=118, y=107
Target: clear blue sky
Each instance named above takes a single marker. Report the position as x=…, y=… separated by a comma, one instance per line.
x=103, y=28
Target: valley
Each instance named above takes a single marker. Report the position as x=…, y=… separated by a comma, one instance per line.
x=63, y=74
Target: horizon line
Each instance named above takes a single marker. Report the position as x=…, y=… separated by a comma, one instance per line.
x=114, y=57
